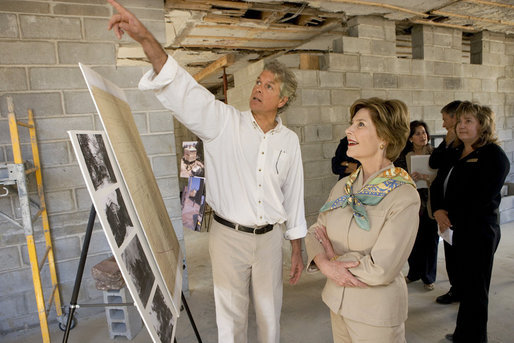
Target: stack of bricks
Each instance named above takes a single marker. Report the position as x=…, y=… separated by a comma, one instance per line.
x=123, y=321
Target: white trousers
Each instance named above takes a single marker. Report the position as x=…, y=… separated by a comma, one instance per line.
x=244, y=265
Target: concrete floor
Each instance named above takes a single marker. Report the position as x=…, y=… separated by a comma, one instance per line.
x=304, y=317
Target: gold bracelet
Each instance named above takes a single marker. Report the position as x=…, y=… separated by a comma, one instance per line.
x=334, y=258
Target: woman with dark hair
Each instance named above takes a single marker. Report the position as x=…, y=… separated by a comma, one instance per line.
x=423, y=258
x=466, y=200
x=366, y=230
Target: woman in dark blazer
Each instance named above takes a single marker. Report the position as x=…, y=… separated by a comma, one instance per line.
x=467, y=201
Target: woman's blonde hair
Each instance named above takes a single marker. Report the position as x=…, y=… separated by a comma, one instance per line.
x=391, y=119
x=485, y=117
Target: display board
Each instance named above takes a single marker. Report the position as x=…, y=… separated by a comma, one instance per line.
x=132, y=212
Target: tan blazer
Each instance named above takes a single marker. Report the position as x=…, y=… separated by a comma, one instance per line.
x=382, y=252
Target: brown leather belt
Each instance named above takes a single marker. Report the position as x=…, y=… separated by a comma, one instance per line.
x=257, y=231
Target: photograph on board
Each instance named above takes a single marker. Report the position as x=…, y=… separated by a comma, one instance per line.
x=191, y=163
x=118, y=216
x=97, y=161
x=193, y=206
x=139, y=270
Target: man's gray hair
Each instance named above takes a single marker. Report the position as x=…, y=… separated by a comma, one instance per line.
x=287, y=80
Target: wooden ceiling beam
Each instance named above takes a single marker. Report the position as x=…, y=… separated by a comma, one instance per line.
x=248, y=39
x=223, y=61
x=490, y=3
x=377, y=4
x=469, y=17
x=435, y=23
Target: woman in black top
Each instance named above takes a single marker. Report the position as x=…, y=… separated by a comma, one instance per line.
x=467, y=200
x=423, y=257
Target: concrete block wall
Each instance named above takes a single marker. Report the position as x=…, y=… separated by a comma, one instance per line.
x=41, y=43
x=364, y=65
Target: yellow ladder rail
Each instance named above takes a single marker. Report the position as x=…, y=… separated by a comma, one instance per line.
x=24, y=199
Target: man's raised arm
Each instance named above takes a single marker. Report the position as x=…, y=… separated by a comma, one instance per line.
x=125, y=21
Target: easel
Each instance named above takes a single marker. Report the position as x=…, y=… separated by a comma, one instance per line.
x=78, y=280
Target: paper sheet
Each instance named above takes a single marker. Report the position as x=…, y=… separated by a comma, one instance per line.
x=419, y=163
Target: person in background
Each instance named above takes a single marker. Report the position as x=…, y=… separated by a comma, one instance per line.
x=366, y=229
x=342, y=164
x=423, y=258
x=254, y=183
x=470, y=200
x=440, y=160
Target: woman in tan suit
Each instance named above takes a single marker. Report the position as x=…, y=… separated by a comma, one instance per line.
x=366, y=229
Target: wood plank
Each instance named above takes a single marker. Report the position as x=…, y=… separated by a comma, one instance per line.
x=224, y=61
x=309, y=62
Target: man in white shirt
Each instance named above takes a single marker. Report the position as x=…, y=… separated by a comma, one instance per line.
x=254, y=181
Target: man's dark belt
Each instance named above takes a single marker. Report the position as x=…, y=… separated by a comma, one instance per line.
x=237, y=227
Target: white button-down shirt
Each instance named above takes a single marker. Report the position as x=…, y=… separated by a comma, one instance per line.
x=252, y=178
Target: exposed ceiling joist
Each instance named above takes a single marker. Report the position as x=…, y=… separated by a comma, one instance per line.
x=224, y=61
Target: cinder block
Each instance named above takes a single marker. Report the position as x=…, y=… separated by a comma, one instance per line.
x=385, y=80
x=316, y=169
x=377, y=64
x=442, y=98
x=54, y=153
x=340, y=62
x=443, y=68
x=123, y=321
x=12, y=306
x=431, y=82
x=313, y=187
x=331, y=79
x=161, y=121
x=489, y=85
x=42, y=104
x=8, y=25
x=369, y=93
x=87, y=53
x=83, y=199
x=383, y=48
x=482, y=98
x=82, y=10
x=315, y=97
x=302, y=115
x=168, y=186
x=359, y=80
x=315, y=202
x=99, y=243
x=12, y=79
x=165, y=165
x=311, y=152
x=329, y=149
x=356, y=45
x=62, y=177
x=16, y=281
x=24, y=6
x=474, y=85
x=78, y=102
x=149, y=13
x=452, y=82
x=56, y=128
x=422, y=67
x=33, y=26
x=10, y=257
x=422, y=98
x=56, y=78
x=159, y=144
x=443, y=39
x=61, y=201
x=344, y=97
x=306, y=78
x=410, y=81
x=318, y=133
x=335, y=114
x=18, y=52
x=403, y=95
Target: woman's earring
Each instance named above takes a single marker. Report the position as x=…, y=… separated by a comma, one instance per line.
x=382, y=146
